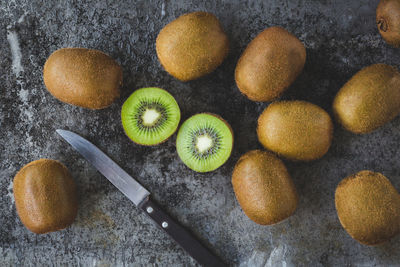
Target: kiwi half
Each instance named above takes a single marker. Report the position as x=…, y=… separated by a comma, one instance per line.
x=150, y=116
x=204, y=142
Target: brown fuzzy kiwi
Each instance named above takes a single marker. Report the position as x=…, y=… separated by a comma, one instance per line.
x=296, y=130
x=192, y=45
x=270, y=64
x=263, y=187
x=388, y=21
x=368, y=207
x=83, y=77
x=369, y=99
x=45, y=196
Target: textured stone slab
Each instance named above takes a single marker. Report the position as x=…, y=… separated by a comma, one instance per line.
x=340, y=37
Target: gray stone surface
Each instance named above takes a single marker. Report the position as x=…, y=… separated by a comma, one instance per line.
x=340, y=37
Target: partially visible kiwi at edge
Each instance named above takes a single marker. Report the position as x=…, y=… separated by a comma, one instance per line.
x=388, y=21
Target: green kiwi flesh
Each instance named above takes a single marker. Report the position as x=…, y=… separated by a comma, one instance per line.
x=150, y=116
x=204, y=142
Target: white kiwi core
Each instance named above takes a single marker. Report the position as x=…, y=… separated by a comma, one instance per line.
x=150, y=117
x=204, y=143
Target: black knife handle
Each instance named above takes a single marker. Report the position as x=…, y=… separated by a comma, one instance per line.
x=182, y=236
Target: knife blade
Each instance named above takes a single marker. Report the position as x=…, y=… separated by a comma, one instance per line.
x=106, y=166
x=141, y=198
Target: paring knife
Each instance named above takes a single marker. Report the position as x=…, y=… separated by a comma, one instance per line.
x=141, y=198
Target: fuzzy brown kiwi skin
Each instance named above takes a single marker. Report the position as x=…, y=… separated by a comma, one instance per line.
x=388, y=21
x=374, y=94
x=202, y=47
x=321, y=126
x=45, y=196
x=94, y=74
x=270, y=64
x=358, y=199
x=264, y=188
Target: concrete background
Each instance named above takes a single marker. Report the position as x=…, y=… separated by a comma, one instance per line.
x=340, y=37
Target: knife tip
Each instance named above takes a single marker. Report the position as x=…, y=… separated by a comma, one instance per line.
x=60, y=131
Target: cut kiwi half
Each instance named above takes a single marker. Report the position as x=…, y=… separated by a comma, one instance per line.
x=150, y=116
x=204, y=142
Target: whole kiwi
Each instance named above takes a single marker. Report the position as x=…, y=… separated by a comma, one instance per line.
x=263, y=187
x=192, y=45
x=270, y=64
x=83, y=77
x=369, y=99
x=388, y=21
x=45, y=196
x=296, y=130
x=368, y=207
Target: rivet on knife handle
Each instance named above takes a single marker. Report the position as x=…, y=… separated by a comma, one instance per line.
x=182, y=236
